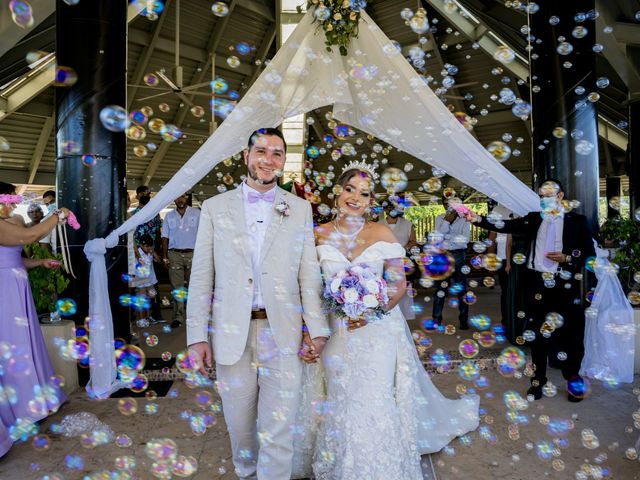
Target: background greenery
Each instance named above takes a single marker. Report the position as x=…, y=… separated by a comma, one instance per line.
x=46, y=284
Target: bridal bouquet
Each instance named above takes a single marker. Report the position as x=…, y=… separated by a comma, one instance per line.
x=339, y=20
x=354, y=291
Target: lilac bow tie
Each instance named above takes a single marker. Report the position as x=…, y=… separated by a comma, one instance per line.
x=269, y=197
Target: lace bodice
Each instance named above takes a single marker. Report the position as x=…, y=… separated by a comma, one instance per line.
x=379, y=410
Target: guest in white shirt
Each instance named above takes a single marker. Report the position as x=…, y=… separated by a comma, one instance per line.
x=36, y=215
x=179, y=231
x=456, y=231
x=501, y=246
x=406, y=236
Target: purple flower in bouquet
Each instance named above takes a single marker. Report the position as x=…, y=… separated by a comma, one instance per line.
x=355, y=291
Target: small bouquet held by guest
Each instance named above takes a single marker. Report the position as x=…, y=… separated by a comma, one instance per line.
x=356, y=294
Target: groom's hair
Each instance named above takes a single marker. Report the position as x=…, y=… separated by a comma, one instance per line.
x=554, y=180
x=266, y=131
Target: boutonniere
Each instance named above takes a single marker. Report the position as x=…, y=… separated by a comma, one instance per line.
x=283, y=209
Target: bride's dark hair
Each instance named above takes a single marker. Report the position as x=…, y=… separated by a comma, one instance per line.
x=347, y=175
x=7, y=188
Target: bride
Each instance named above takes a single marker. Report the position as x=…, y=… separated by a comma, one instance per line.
x=376, y=411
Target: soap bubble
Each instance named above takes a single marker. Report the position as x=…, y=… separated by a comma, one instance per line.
x=564, y=48
x=500, y=150
x=394, y=180
x=579, y=32
x=220, y=9
x=114, y=118
x=504, y=54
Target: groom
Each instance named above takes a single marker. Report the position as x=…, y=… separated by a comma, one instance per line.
x=255, y=274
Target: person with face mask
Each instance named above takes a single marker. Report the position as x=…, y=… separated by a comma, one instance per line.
x=456, y=233
x=153, y=226
x=179, y=231
x=560, y=243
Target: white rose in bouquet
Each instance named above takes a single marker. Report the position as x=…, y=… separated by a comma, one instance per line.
x=372, y=287
x=335, y=284
x=350, y=295
x=370, y=301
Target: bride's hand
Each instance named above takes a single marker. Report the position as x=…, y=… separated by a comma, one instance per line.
x=355, y=323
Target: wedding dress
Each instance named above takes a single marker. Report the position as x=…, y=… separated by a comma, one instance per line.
x=369, y=410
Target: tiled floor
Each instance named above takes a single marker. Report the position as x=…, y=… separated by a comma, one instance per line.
x=594, y=442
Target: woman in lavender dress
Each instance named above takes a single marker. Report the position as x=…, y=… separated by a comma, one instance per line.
x=28, y=389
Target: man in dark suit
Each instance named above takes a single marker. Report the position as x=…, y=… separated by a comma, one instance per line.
x=559, y=244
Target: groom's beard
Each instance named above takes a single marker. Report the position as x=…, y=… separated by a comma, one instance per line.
x=254, y=176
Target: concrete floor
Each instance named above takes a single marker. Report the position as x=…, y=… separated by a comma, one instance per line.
x=496, y=450
x=491, y=452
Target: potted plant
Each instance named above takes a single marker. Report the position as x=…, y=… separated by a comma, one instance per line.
x=46, y=284
x=622, y=237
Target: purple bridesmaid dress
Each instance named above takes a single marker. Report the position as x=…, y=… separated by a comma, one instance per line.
x=28, y=391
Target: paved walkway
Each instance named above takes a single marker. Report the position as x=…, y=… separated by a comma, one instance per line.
x=550, y=438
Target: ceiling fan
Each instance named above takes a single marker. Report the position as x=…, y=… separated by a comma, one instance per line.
x=175, y=84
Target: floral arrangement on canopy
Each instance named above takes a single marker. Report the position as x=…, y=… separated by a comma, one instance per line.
x=339, y=19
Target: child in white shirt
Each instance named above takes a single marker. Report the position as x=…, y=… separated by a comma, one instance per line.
x=146, y=288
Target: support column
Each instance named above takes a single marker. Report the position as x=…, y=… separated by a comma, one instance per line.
x=91, y=39
x=614, y=189
x=563, y=102
x=633, y=155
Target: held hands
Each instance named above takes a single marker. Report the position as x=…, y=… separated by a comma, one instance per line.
x=311, y=349
x=203, y=354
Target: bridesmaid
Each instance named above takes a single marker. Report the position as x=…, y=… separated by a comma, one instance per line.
x=28, y=392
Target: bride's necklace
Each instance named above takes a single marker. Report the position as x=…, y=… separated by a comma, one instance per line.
x=351, y=238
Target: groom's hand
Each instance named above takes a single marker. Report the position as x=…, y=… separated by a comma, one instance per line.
x=307, y=350
x=204, y=355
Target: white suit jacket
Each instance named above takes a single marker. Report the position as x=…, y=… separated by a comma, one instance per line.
x=221, y=282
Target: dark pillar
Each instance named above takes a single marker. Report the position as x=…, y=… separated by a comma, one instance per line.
x=633, y=153
x=91, y=39
x=614, y=189
x=572, y=159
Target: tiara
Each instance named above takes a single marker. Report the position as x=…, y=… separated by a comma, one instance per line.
x=365, y=167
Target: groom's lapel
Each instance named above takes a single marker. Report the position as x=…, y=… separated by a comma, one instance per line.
x=235, y=207
x=274, y=224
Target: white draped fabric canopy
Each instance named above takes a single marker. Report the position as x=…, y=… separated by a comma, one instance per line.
x=373, y=88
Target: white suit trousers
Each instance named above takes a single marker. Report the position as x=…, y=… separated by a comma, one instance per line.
x=260, y=395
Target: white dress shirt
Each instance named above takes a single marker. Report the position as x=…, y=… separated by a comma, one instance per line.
x=181, y=230
x=541, y=243
x=501, y=245
x=257, y=218
x=456, y=234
